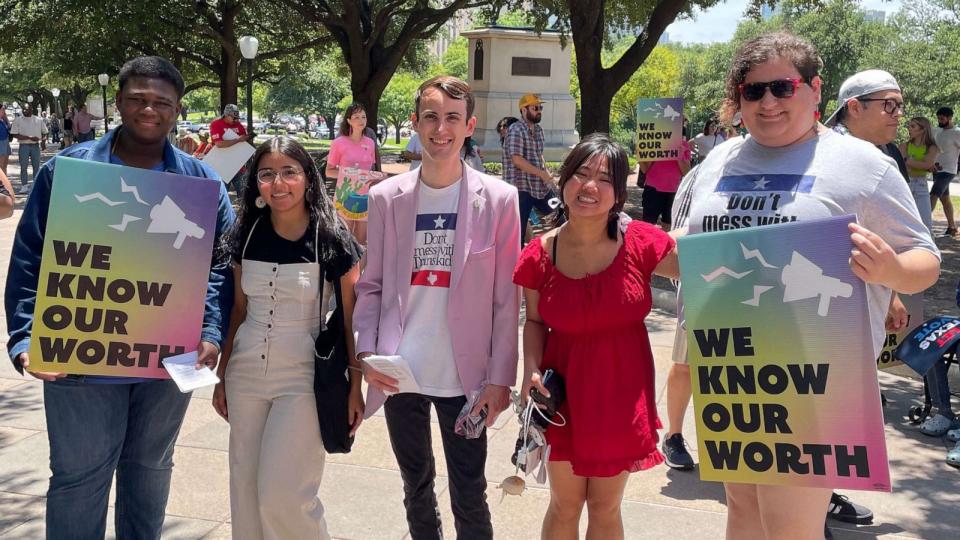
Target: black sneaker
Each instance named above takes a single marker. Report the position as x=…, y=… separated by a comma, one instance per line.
x=841, y=509
x=675, y=451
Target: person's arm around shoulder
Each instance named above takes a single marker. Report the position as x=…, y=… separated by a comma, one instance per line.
x=502, y=369
x=237, y=315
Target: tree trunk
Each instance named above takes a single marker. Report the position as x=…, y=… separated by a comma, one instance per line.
x=396, y=135
x=229, y=81
x=595, y=101
x=331, y=121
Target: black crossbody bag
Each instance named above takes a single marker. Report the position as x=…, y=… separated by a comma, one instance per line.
x=331, y=382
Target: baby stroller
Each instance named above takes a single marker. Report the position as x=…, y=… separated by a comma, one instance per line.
x=934, y=341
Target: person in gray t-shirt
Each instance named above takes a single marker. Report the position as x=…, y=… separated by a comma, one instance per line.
x=800, y=170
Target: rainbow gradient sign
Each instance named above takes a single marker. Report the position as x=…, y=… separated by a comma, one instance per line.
x=784, y=379
x=660, y=129
x=126, y=261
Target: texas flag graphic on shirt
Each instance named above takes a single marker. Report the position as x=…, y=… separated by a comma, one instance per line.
x=433, y=253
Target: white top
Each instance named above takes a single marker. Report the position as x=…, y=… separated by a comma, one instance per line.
x=706, y=143
x=948, y=141
x=414, y=146
x=31, y=126
x=744, y=184
x=425, y=343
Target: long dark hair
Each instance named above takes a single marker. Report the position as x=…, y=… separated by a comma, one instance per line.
x=600, y=144
x=332, y=235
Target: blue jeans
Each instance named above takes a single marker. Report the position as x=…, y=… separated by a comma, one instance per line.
x=96, y=429
x=29, y=154
x=939, y=387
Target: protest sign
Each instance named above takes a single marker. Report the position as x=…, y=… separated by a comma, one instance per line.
x=350, y=195
x=782, y=361
x=228, y=161
x=887, y=361
x=660, y=129
x=123, y=278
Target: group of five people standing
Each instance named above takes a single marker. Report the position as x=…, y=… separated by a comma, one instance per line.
x=439, y=287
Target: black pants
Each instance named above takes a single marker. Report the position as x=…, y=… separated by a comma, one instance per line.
x=408, y=422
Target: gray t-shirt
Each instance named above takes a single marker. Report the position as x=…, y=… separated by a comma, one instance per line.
x=745, y=184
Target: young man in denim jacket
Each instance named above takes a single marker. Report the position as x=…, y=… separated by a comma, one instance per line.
x=101, y=425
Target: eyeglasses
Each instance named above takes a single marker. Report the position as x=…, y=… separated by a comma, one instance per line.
x=287, y=174
x=780, y=88
x=537, y=108
x=890, y=105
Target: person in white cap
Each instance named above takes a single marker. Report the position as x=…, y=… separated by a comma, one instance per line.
x=869, y=107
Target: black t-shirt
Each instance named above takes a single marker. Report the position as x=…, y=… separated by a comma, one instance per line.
x=266, y=245
x=891, y=150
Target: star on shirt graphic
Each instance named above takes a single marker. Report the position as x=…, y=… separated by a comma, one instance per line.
x=761, y=183
x=438, y=223
x=432, y=278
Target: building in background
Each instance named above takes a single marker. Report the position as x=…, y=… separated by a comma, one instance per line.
x=875, y=15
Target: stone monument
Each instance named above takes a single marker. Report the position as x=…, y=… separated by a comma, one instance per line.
x=505, y=63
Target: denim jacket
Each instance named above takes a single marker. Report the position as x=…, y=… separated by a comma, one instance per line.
x=24, y=271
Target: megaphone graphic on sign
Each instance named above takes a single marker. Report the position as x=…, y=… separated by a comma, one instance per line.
x=168, y=218
x=803, y=279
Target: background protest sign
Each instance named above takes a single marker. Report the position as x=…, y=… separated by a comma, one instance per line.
x=350, y=195
x=228, y=161
x=659, y=129
x=784, y=379
x=126, y=261
x=887, y=361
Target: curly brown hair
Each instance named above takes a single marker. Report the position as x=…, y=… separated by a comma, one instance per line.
x=759, y=50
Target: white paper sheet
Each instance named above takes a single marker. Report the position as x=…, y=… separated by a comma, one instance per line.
x=227, y=161
x=398, y=368
x=183, y=372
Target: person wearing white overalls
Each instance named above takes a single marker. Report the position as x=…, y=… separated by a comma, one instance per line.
x=286, y=239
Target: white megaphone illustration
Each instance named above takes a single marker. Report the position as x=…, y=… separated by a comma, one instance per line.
x=670, y=113
x=803, y=279
x=168, y=218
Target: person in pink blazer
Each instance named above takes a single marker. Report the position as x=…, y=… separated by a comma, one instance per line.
x=437, y=290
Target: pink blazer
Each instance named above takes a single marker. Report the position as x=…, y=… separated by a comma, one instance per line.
x=483, y=307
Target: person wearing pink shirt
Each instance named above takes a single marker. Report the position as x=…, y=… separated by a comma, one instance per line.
x=353, y=150
x=662, y=180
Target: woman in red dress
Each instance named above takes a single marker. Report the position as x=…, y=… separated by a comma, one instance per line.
x=587, y=290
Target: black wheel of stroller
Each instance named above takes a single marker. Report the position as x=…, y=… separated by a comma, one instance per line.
x=916, y=414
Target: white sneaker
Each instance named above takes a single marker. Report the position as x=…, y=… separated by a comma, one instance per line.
x=936, y=426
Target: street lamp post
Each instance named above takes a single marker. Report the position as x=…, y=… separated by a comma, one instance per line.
x=248, y=48
x=104, y=79
x=55, y=92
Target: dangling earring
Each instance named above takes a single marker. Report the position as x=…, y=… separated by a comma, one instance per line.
x=816, y=115
x=259, y=202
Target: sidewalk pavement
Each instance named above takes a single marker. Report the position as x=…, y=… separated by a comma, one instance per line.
x=362, y=491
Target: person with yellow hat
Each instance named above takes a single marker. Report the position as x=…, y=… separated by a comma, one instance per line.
x=525, y=168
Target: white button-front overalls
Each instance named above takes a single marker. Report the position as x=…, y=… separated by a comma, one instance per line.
x=276, y=455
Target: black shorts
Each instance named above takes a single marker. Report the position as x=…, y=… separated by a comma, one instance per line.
x=657, y=204
x=941, y=184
